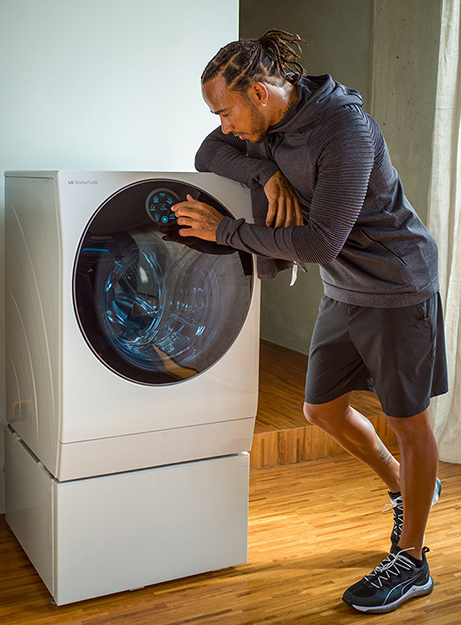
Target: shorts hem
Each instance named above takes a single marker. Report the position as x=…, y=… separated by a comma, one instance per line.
x=339, y=392
x=416, y=410
x=411, y=412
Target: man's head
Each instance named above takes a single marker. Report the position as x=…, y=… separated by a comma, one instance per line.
x=247, y=82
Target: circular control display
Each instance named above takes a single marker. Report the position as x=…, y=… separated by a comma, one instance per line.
x=158, y=205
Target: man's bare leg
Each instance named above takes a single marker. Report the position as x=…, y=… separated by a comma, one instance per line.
x=356, y=435
x=418, y=472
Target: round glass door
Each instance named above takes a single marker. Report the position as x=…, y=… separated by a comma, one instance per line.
x=154, y=307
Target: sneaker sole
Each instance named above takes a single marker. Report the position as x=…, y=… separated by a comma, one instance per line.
x=413, y=592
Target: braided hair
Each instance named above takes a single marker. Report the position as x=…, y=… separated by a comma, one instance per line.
x=270, y=58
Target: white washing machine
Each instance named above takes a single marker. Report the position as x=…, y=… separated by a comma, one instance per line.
x=132, y=380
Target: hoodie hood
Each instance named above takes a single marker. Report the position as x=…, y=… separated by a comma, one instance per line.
x=317, y=96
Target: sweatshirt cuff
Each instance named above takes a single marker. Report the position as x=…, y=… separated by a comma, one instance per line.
x=226, y=228
x=265, y=173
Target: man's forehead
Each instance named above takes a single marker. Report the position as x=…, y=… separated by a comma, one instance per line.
x=217, y=95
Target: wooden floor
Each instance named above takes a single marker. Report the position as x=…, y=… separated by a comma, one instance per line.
x=315, y=528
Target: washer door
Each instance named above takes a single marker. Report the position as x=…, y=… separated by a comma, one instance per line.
x=154, y=307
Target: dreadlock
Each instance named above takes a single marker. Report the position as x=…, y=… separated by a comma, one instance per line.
x=268, y=58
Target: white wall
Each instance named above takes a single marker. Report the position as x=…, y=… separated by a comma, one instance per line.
x=104, y=85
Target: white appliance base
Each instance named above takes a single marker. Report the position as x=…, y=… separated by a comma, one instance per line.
x=97, y=536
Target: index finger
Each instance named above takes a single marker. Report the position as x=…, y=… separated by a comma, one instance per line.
x=183, y=208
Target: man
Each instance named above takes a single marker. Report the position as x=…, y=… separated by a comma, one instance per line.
x=324, y=191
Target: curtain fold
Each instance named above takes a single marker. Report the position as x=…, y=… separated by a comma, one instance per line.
x=444, y=221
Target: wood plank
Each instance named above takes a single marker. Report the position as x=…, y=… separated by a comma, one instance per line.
x=276, y=448
x=314, y=529
x=281, y=388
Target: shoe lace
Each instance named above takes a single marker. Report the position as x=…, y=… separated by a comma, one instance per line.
x=394, y=564
x=397, y=506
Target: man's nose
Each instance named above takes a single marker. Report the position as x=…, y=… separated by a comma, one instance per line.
x=226, y=126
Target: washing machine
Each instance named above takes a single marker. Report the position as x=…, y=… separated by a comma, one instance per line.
x=131, y=379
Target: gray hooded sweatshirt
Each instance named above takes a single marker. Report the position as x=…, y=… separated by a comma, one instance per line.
x=372, y=248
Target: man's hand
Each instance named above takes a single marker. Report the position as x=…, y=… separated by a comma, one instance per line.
x=200, y=219
x=283, y=203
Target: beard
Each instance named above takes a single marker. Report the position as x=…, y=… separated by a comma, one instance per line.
x=257, y=124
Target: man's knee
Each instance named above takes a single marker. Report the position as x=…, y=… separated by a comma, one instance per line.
x=412, y=428
x=314, y=413
x=330, y=412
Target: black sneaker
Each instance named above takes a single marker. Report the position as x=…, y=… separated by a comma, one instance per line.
x=397, y=506
x=390, y=584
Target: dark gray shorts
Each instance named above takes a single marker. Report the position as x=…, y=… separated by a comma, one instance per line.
x=397, y=352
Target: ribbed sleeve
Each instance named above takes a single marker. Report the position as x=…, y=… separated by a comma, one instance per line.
x=344, y=167
x=260, y=240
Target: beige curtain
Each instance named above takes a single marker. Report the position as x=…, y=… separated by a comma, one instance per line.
x=445, y=224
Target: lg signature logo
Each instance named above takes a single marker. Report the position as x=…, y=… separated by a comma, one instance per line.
x=82, y=182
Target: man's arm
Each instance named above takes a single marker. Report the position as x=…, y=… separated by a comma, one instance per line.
x=226, y=155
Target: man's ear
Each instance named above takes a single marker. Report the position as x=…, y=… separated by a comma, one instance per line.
x=258, y=93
